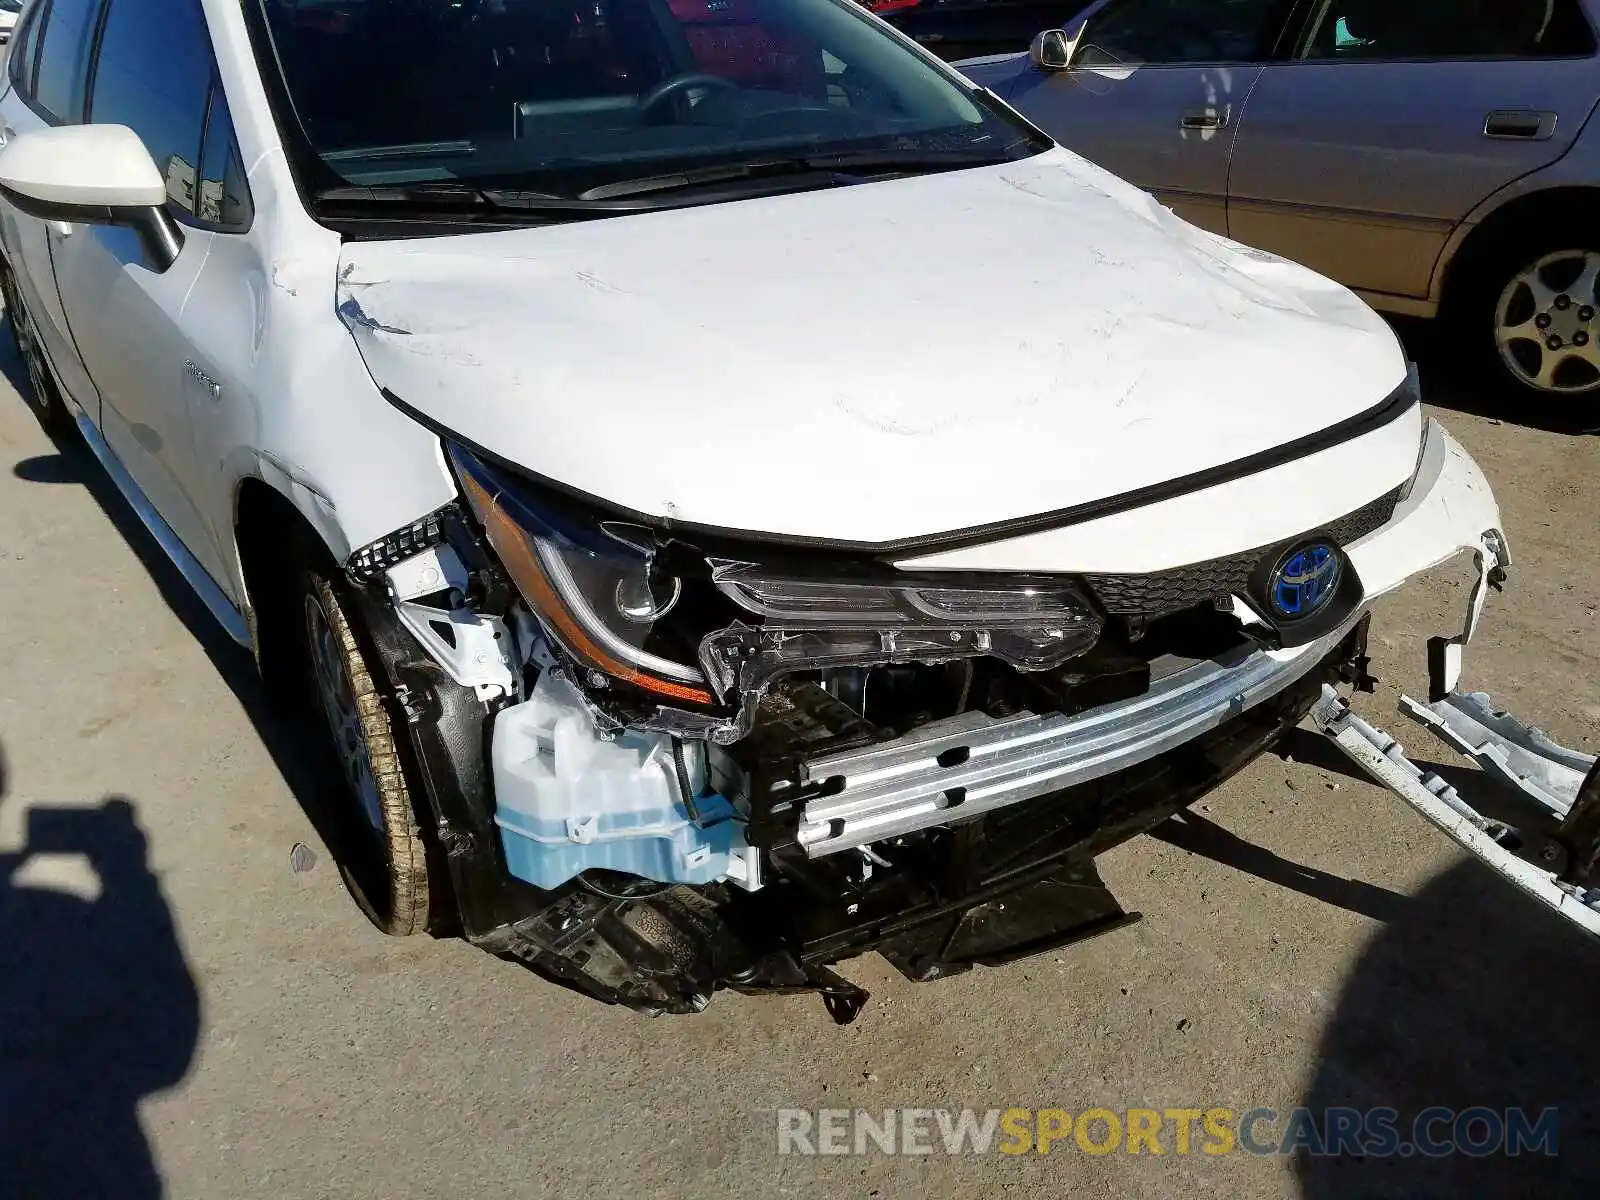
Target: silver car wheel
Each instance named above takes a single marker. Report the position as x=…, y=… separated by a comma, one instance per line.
x=339, y=706
x=27, y=347
x=1547, y=323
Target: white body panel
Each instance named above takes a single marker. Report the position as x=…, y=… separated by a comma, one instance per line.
x=918, y=356
x=1259, y=509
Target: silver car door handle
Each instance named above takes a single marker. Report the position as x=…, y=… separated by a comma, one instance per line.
x=1521, y=124
x=1203, y=118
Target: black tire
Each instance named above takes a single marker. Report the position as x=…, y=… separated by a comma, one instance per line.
x=40, y=395
x=1472, y=315
x=380, y=850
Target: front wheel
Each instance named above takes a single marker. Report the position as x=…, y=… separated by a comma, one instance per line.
x=381, y=853
x=1532, y=311
x=41, y=395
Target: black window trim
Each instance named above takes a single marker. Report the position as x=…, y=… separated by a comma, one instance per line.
x=28, y=27
x=195, y=220
x=1306, y=15
x=26, y=94
x=38, y=110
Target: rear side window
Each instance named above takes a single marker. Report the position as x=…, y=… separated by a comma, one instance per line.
x=1445, y=29
x=23, y=44
x=1182, y=31
x=153, y=74
x=64, y=59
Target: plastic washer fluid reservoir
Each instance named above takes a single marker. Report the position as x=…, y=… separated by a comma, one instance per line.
x=567, y=801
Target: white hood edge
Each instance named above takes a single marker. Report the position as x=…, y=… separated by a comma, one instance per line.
x=880, y=363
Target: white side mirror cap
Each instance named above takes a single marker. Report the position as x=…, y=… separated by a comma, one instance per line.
x=81, y=167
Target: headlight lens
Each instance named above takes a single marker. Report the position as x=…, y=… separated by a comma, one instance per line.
x=598, y=589
x=599, y=596
x=816, y=623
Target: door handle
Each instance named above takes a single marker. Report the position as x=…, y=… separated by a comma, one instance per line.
x=1203, y=118
x=1520, y=124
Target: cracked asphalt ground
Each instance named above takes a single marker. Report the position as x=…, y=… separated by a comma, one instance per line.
x=192, y=1013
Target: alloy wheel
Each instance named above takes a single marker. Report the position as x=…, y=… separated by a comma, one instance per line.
x=1547, y=323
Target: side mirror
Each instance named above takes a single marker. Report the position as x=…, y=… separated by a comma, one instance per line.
x=94, y=175
x=1052, y=50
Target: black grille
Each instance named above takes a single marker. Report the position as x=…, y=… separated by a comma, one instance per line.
x=1179, y=588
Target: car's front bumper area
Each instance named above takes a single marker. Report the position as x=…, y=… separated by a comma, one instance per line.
x=971, y=764
x=967, y=840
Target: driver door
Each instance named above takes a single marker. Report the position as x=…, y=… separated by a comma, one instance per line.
x=1154, y=94
x=153, y=72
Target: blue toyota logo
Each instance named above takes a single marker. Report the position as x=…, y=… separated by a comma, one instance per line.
x=1304, y=580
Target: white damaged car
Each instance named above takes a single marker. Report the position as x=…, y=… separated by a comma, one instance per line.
x=733, y=495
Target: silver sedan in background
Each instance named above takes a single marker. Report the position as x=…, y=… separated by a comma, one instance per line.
x=1439, y=156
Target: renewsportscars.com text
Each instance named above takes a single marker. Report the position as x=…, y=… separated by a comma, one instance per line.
x=1375, y=1132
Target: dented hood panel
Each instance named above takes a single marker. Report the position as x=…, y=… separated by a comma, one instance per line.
x=871, y=363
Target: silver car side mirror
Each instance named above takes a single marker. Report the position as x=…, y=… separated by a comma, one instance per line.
x=1052, y=50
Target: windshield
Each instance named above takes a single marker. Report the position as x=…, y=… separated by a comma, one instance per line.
x=561, y=96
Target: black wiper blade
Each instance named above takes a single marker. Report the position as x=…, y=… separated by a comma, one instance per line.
x=452, y=198
x=751, y=178
x=906, y=161
x=839, y=166
x=674, y=181
x=444, y=194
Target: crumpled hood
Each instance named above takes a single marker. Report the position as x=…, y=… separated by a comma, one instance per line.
x=872, y=363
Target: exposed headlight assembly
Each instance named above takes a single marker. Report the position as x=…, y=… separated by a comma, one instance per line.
x=598, y=594
x=714, y=631
x=815, y=623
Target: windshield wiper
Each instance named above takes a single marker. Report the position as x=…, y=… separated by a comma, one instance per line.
x=843, y=168
x=464, y=202
x=451, y=200
x=444, y=195
x=676, y=189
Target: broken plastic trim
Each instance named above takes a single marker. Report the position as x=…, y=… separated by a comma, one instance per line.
x=1446, y=655
x=1493, y=843
x=369, y=562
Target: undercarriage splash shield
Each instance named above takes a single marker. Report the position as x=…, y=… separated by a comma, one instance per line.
x=1558, y=872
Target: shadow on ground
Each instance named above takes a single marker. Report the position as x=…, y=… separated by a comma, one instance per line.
x=1471, y=995
x=301, y=756
x=98, y=1009
x=1448, y=383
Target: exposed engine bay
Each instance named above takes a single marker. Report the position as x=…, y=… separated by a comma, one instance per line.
x=661, y=765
